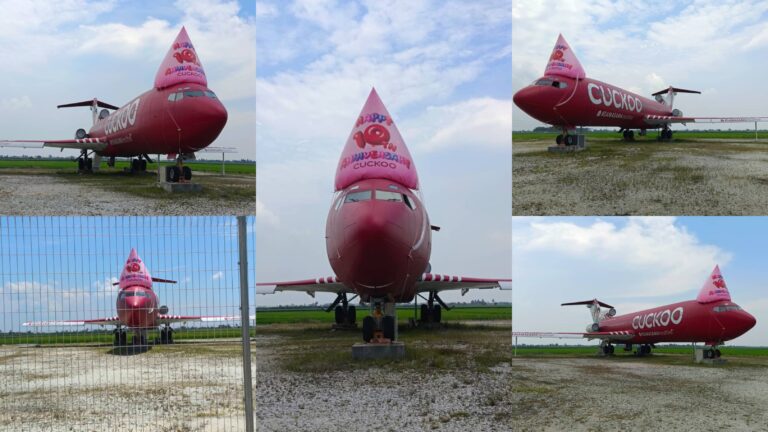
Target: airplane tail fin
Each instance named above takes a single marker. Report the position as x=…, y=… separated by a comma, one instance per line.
x=594, y=309
x=94, y=104
x=670, y=93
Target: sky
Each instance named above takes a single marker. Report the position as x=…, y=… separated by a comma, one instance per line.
x=59, y=268
x=633, y=263
x=715, y=47
x=56, y=52
x=442, y=70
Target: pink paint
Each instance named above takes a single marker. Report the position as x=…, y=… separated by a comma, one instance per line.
x=563, y=62
x=181, y=64
x=375, y=149
x=135, y=272
x=714, y=288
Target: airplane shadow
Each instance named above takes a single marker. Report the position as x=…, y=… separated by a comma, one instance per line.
x=130, y=350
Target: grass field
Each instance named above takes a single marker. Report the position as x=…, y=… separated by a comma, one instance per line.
x=106, y=337
x=70, y=165
x=403, y=315
x=586, y=351
x=651, y=136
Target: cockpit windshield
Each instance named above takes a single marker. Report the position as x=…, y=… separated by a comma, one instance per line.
x=358, y=196
x=726, y=308
x=548, y=82
x=139, y=293
x=173, y=97
x=388, y=196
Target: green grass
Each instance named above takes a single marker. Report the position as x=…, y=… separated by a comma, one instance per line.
x=679, y=135
x=106, y=337
x=403, y=315
x=70, y=165
x=585, y=351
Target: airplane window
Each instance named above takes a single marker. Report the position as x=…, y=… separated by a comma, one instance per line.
x=559, y=84
x=172, y=97
x=388, y=196
x=122, y=295
x=194, y=93
x=726, y=308
x=543, y=82
x=358, y=196
x=393, y=187
x=210, y=94
x=179, y=96
x=338, y=203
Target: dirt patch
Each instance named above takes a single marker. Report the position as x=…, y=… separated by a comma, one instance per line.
x=594, y=394
x=702, y=177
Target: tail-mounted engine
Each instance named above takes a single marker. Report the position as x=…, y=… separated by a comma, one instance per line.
x=81, y=133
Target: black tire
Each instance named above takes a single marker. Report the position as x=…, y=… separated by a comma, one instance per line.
x=351, y=315
x=170, y=335
x=89, y=164
x=187, y=171
x=717, y=353
x=80, y=164
x=117, y=338
x=173, y=174
x=631, y=135
x=437, y=314
x=559, y=139
x=570, y=140
x=143, y=165
x=339, y=314
x=388, y=326
x=123, y=338
x=625, y=135
x=611, y=349
x=369, y=325
x=425, y=315
x=606, y=349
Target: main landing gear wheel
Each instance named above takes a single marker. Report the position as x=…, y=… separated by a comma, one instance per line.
x=84, y=165
x=712, y=353
x=629, y=135
x=608, y=349
x=345, y=316
x=369, y=326
x=120, y=338
x=643, y=350
x=665, y=135
x=559, y=139
x=166, y=335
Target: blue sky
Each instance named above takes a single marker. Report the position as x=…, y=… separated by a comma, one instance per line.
x=54, y=268
x=73, y=50
x=442, y=70
x=714, y=47
x=633, y=263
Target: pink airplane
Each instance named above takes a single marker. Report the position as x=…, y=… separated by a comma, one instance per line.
x=138, y=308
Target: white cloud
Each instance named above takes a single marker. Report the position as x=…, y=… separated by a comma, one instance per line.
x=218, y=275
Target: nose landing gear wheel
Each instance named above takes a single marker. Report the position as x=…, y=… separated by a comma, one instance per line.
x=369, y=326
x=388, y=326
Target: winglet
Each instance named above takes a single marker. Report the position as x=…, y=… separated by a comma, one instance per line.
x=714, y=288
x=563, y=61
x=375, y=149
x=181, y=64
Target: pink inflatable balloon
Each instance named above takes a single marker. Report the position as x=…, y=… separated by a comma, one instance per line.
x=714, y=288
x=135, y=273
x=563, y=62
x=375, y=150
x=181, y=64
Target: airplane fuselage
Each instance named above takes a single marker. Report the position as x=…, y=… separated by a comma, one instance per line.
x=378, y=239
x=567, y=103
x=182, y=118
x=137, y=307
x=688, y=321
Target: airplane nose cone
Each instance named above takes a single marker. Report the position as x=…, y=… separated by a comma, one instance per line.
x=523, y=98
x=747, y=321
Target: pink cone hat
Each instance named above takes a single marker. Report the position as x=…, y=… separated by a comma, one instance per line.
x=714, y=288
x=375, y=149
x=181, y=64
x=563, y=62
x=135, y=272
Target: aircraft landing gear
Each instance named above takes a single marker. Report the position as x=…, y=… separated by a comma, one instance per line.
x=432, y=313
x=643, y=350
x=120, y=337
x=629, y=135
x=138, y=165
x=84, y=163
x=566, y=140
x=166, y=335
x=712, y=353
x=607, y=349
x=345, y=315
x=665, y=134
x=140, y=338
x=381, y=325
x=178, y=173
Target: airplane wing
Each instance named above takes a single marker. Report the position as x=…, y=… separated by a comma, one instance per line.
x=99, y=321
x=310, y=286
x=436, y=282
x=169, y=319
x=660, y=120
x=79, y=144
x=614, y=336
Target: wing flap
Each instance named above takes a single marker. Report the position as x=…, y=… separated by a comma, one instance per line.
x=96, y=144
x=329, y=284
x=169, y=319
x=613, y=336
x=99, y=321
x=437, y=282
x=661, y=120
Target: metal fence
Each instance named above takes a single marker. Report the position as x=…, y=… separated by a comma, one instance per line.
x=61, y=371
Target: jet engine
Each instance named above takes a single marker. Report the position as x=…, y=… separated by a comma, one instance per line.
x=677, y=113
x=163, y=309
x=81, y=133
x=611, y=312
x=103, y=114
x=593, y=328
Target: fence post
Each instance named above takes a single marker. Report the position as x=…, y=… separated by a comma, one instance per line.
x=245, y=321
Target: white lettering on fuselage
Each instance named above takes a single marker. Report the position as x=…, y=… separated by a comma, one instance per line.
x=658, y=319
x=122, y=118
x=611, y=97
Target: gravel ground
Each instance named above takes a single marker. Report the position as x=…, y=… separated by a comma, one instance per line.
x=382, y=397
x=592, y=394
x=41, y=194
x=169, y=389
x=713, y=177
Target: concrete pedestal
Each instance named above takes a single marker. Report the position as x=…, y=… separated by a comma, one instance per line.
x=372, y=351
x=181, y=187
